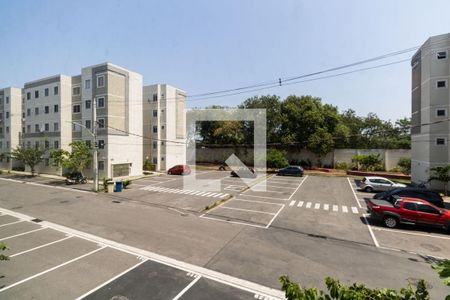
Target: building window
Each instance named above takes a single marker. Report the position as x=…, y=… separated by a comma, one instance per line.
x=36, y=94
x=7, y=100
x=441, y=55
x=36, y=144
x=1, y=145
x=1, y=115
x=155, y=97
x=441, y=112
x=23, y=129
x=36, y=128
x=101, y=165
x=101, y=144
x=76, y=109
x=162, y=158
x=56, y=144
x=155, y=160
x=46, y=92
x=101, y=102
x=28, y=128
x=101, y=123
x=56, y=108
x=7, y=114
x=28, y=96
x=155, y=145
x=55, y=127
x=88, y=124
x=46, y=127
x=76, y=127
x=7, y=129
x=28, y=144
x=76, y=90
x=46, y=109
x=155, y=113
x=155, y=129
x=36, y=111
x=55, y=90
x=87, y=84
x=162, y=127
x=441, y=141
x=101, y=81
x=162, y=143
x=28, y=112
x=87, y=104
x=441, y=84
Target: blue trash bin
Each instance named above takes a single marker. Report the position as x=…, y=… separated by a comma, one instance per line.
x=119, y=186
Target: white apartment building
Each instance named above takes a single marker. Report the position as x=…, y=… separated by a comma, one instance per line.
x=164, y=125
x=430, y=128
x=10, y=123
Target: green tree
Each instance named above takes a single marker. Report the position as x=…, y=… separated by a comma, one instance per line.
x=78, y=159
x=320, y=143
x=405, y=165
x=29, y=156
x=443, y=269
x=441, y=174
x=368, y=162
x=229, y=132
x=3, y=247
x=276, y=159
x=337, y=290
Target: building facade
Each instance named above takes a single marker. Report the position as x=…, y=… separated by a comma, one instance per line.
x=430, y=127
x=10, y=124
x=164, y=118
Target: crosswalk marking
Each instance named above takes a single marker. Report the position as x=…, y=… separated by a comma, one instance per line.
x=300, y=203
x=184, y=192
x=335, y=208
x=292, y=203
x=308, y=205
x=325, y=206
x=344, y=209
x=354, y=210
x=317, y=206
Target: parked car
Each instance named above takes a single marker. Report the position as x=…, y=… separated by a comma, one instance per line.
x=409, y=192
x=374, y=183
x=179, y=170
x=76, y=178
x=291, y=170
x=408, y=210
x=244, y=173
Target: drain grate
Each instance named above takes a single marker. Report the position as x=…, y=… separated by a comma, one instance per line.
x=317, y=236
x=36, y=220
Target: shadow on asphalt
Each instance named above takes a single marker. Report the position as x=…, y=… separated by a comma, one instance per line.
x=406, y=227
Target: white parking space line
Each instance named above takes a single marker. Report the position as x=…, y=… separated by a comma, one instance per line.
x=20, y=234
x=335, y=208
x=354, y=194
x=248, y=210
x=292, y=203
x=41, y=246
x=111, y=280
x=180, y=294
x=233, y=222
x=354, y=210
x=255, y=201
x=300, y=203
x=317, y=206
x=272, y=198
x=51, y=269
x=374, y=239
x=411, y=233
x=265, y=191
x=15, y=222
x=326, y=206
x=276, y=186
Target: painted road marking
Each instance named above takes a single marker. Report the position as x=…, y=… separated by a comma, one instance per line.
x=354, y=193
x=344, y=209
x=317, y=206
x=180, y=294
x=325, y=206
x=300, y=203
x=292, y=203
x=354, y=210
x=308, y=205
x=249, y=210
x=15, y=222
x=180, y=191
x=20, y=234
x=335, y=208
x=41, y=246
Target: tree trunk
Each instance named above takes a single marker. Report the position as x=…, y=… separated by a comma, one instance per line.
x=32, y=170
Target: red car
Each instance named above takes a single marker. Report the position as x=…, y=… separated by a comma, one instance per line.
x=408, y=210
x=179, y=170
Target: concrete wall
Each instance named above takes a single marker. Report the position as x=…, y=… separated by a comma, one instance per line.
x=390, y=157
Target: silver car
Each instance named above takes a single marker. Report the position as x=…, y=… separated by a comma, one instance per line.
x=373, y=183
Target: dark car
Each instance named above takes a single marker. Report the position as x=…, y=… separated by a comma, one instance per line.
x=244, y=173
x=291, y=171
x=409, y=192
x=179, y=170
x=75, y=178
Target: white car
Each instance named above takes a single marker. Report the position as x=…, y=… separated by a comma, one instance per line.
x=381, y=184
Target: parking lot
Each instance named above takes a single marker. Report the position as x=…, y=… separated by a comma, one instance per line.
x=411, y=238
x=48, y=261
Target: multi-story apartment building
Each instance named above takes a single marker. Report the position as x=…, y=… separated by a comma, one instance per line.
x=430, y=126
x=164, y=120
x=10, y=123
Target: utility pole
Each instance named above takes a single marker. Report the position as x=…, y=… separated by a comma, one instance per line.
x=94, y=134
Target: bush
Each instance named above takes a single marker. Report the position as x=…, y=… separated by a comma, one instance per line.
x=405, y=165
x=20, y=169
x=126, y=183
x=371, y=162
x=341, y=165
x=337, y=290
x=149, y=166
x=276, y=159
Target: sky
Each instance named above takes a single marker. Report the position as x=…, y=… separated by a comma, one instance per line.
x=205, y=46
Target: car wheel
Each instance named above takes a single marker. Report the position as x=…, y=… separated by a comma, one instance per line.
x=368, y=189
x=169, y=173
x=390, y=222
